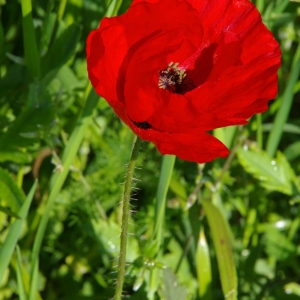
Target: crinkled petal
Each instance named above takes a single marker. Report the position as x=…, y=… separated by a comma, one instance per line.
x=145, y=17
x=199, y=147
x=227, y=15
x=141, y=86
x=236, y=16
x=106, y=49
x=192, y=147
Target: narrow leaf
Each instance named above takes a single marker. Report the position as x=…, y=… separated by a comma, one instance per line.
x=285, y=107
x=10, y=192
x=21, y=288
x=203, y=268
x=14, y=233
x=62, y=49
x=32, y=57
x=9, y=212
x=160, y=206
x=224, y=253
x=34, y=281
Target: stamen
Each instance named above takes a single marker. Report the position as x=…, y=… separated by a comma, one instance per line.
x=174, y=80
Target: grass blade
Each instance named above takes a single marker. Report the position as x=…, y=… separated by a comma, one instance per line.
x=21, y=287
x=160, y=206
x=34, y=281
x=14, y=233
x=221, y=239
x=162, y=189
x=32, y=57
x=285, y=107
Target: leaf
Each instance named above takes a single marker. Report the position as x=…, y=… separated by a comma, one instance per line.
x=160, y=205
x=9, y=245
x=20, y=276
x=278, y=245
x=62, y=49
x=292, y=151
x=292, y=287
x=274, y=175
x=10, y=192
x=221, y=239
x=32, y=56
x=286, y=104
x=9, y=212
x=35, y=119
x=15, y=156
x=170, y=289
x=203, y=268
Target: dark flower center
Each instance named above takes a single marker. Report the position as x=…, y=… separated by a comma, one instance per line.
x=174, y=80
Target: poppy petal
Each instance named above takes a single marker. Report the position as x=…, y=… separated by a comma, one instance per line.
x=199, y=147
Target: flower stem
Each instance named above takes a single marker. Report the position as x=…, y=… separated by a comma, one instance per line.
x=125, y=217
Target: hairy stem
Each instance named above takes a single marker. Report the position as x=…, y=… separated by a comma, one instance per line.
x=125, y=218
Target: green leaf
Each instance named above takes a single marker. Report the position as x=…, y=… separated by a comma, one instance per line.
x=274, y=175
x=9, y=212
x=32, y=57
x=62, y=49
x=278, y=245
x=285, y=107
x=10, y=192
x=292, y=151
x=34, y=120
x=221, y=239
x=165, y=176
x=203, y=268
x=15, y=156
x=20, y=276
x=170, y=289
x=292, y=287
x=14, y=233
x=288, y=128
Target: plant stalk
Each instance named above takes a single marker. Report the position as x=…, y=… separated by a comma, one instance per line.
x=125, y=217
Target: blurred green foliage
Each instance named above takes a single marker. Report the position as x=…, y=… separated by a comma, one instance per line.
x=44, y=92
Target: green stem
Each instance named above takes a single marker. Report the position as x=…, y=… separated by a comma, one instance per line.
x=125, y=217
x=259, y=133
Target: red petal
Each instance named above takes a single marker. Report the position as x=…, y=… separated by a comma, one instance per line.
x=227, y=54
x=142, y=74
x=198, y=147
x=146, y=17
x=226, y=15
x=236, y=16
x=106, y=49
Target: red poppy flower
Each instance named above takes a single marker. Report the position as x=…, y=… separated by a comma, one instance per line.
x=175, y=69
